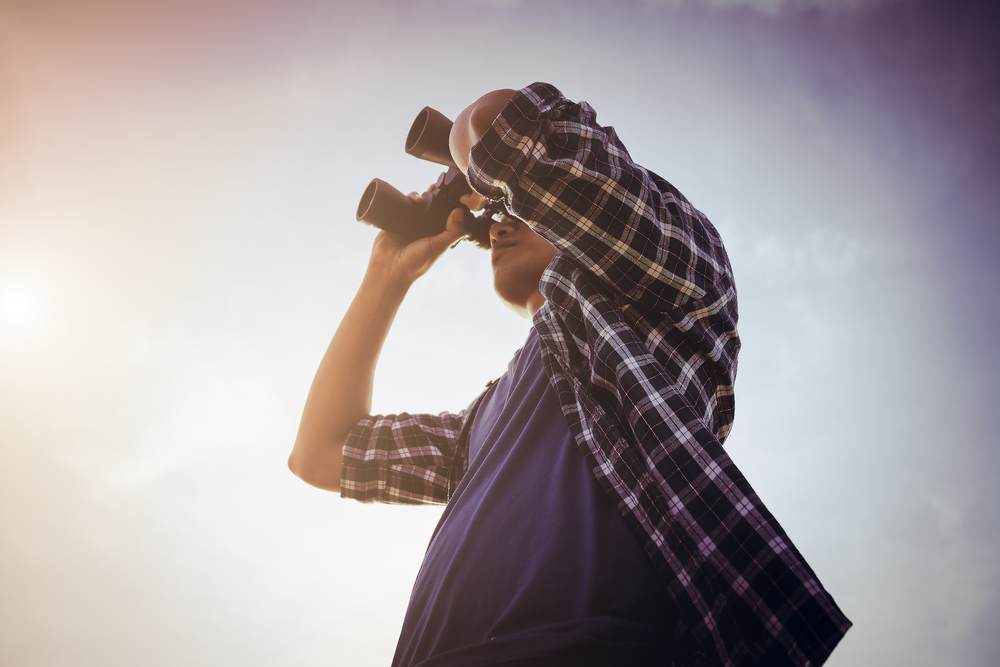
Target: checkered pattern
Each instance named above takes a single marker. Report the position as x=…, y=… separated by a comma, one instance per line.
x=639, y=341
x=401, y=459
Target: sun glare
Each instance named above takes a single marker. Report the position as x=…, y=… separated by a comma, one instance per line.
x=18, y=308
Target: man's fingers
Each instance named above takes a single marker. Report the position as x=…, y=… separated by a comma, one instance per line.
x=453, y=232
x=456, y=222
x=454, y=226
x=473, y=201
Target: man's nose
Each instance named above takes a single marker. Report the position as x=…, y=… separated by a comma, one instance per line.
x=500, y=229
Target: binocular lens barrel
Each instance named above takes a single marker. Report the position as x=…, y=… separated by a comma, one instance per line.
x=428, y=137
x=387, y=208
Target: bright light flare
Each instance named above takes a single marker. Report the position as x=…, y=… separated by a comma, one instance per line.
x=18, y=308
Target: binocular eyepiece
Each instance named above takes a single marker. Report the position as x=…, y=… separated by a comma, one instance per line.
x=387, y=208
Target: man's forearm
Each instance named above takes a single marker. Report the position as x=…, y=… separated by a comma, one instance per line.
x=342, y=389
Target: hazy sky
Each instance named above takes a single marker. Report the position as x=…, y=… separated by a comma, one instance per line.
x=178, y=183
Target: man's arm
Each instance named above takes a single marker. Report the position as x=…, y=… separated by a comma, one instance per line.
x=572, y=181
x=342, y=389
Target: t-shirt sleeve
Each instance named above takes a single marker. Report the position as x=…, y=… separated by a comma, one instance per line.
x=569, y=178
x=401, y=459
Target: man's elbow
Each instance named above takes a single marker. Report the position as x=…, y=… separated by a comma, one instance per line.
x=471, y=124
x=487, y=108
x=326, y=477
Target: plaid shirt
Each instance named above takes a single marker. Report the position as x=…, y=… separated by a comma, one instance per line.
x=639, y=341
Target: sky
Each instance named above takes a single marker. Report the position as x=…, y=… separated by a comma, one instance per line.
x=178, y=184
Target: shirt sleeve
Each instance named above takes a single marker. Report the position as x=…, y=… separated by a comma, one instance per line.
x=574, y=183
x=401, y=459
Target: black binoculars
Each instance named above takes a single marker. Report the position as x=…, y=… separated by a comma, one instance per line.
x=387, y=208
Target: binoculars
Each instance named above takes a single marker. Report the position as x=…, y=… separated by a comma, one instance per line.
x=387, y=208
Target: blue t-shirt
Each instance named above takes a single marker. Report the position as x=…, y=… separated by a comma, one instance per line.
x=531, y=560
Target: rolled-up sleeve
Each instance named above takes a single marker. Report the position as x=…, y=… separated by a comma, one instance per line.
x=401, y=459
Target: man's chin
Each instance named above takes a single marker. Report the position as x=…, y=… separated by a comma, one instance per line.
x=520, y=311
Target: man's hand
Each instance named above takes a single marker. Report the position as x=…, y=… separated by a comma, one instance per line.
x=403, y=261
x=474, y=201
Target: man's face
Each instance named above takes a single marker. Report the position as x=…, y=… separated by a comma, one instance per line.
x=519, y=258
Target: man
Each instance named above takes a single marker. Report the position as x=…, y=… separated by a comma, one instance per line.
x=593, y=517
